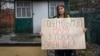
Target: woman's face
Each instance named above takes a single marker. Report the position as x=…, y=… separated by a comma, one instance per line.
x=61, y=10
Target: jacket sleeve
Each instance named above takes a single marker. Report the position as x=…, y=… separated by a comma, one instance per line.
x=54, y=16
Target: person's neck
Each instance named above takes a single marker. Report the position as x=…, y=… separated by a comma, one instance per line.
x=61, y=16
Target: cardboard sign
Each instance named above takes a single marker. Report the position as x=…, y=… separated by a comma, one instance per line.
x=63, y=33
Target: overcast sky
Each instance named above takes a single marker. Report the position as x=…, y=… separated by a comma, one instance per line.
x=8, y=5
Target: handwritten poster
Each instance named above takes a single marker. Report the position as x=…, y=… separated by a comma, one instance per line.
x=63, y=33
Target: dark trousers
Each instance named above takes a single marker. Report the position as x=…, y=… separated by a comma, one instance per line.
x=63, y=52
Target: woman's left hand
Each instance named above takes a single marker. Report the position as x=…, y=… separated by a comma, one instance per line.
x=84, y=30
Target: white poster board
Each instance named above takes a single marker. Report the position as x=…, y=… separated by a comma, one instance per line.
x=63, y=33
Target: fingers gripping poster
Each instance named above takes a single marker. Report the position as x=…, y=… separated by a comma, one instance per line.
x=63, y=33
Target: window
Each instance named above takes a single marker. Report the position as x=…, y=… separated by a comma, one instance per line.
x=52, y=8
x=23, y=9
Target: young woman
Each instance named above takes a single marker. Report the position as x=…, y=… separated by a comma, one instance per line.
x=61, y=13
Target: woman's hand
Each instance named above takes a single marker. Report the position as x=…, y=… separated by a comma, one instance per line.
x=40, y=34
x=84, y=30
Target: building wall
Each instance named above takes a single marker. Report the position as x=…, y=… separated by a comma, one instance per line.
x=22, y=51
x=7, y=18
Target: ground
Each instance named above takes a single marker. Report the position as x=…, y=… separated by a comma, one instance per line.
x=92, y=50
